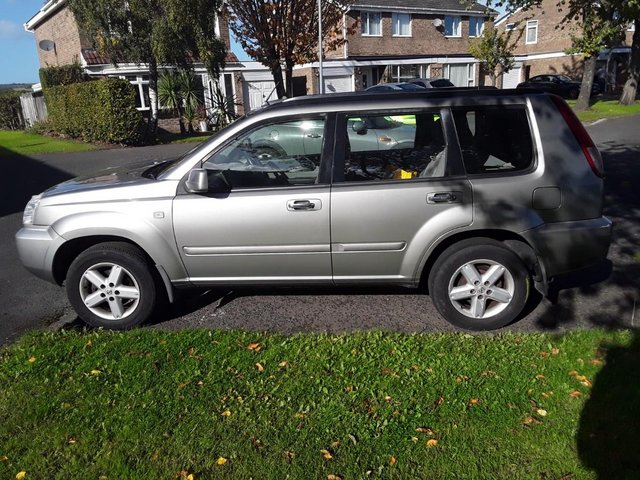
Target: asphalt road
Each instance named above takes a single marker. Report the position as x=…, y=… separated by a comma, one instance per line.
x=27, y=302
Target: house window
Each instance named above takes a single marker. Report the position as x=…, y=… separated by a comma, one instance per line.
x=404, y=73
x=141, y=85
x=509, y=27
x=452, y=26
x=371, y=24
x=401, y=24
x=532, y=31
x=476, y=26
x=461, y=74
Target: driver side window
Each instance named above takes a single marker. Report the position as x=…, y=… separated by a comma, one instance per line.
x=273, y=155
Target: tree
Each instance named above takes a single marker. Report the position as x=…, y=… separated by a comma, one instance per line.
x=630, y=12
x=494, y=52
x=285, y=32
x=154, y=32
x=178, y=91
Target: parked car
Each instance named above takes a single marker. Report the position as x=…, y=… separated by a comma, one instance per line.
x=497, y=192
x=432, y=82
x=387, y=87
x=557, y=84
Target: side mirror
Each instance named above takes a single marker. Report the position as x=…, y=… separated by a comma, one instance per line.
x=197, y=182
x=359, y=127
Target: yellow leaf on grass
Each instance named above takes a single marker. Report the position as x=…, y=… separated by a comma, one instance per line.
x=259, y=367
x=95, y=371
x=284, y=364
x=331, y=476
x=432, y=442
x=326, y=454
x=21, y=475
x=596, y=361
x=191, y=476
x=226, y=413
x=32, y=359
x=474, y=401
x=4, y=458
x=529, y=421
x=429, y=431
x=575, y=394
x=542, y=412
x=392, y=460
x=555, y=351
x=254, y=347
x=221, y=461
x=539, y=376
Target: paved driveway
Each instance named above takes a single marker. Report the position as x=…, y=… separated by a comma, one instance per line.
x=27, y=302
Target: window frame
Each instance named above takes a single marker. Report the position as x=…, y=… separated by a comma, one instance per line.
x=395, y=18
x=531, y=24
x=457, y=33
x=510, y=27
x=368, y=14
x=477, y=21
x=454, y=168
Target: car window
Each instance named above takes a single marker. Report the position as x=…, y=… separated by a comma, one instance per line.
x=274, y=155
x=413, y=148
x=494, y=139
x=441, y=83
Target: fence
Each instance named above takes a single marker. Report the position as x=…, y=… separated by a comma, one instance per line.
x=33, y=108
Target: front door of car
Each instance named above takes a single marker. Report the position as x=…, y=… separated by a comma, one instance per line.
x=389, y=206
x=266, y=216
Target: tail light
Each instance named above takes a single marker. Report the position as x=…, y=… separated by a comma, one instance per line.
x=591, y=152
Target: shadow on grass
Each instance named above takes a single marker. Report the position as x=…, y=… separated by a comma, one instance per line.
x=607, y=437
x=23, y=177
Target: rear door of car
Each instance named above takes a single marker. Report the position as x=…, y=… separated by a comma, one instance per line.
x=389, y=206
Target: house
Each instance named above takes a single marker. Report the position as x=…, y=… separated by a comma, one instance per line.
x=541, y=37
x=60, y=41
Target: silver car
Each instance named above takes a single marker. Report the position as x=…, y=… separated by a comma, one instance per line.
x=484, y=195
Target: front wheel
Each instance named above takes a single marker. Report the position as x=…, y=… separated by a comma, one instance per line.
x=110, y=285
x=479, y=286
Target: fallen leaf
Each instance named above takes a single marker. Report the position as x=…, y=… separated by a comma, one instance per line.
x=221, y=461
x=539, y=376
x=573, y=373
x=432, y=442
x=461, y=378
x=289, y=454
x=331, y=476
x=32, y=359
x=414, y=439
x=586, y=382
x=4, y=458
x=439, y=401
x=474, y=401
x=95, y=372
x=254, y=347
x=555, y=351
x=387, y=398
x=191, y=476
x=200, y=382
x=488, y=373
x=71, y=441
x=530, y=391
x=542, y=412
x=283, y=364
x=326, y=454
x=335, y=444
x=575, y=394
x=544, y=354
x=259, y=367
x=596, y=361
x=427, y=430
x=226, y=413
x=529, y=421
x=353, y=439
x=21, y=475
x=392, y=460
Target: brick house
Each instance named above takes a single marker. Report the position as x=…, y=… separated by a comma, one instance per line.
x=541, y=38
x=59, y=41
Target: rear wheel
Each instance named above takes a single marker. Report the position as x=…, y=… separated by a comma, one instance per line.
x=110, y=285
x=479, y=286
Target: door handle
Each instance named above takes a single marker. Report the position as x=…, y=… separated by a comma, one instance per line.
x=297, y=205
x=441, y=197
x=313, y=135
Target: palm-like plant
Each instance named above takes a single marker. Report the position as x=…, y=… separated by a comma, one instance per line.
x=170, y=95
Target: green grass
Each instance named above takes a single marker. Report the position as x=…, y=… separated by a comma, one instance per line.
x=23, y=143
x=149, y=405
x=166, y=138
x=606, y=109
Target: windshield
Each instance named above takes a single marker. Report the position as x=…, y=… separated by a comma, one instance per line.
x=410, y=86
x=564, y=78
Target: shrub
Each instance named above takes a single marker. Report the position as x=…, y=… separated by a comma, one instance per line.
x=41, y=128
x=64, y=75
x=97, y=111
x=10, y=111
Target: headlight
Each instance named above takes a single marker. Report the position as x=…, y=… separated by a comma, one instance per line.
x=30, y=210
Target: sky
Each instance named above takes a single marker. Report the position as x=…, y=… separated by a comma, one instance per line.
x=18, y=54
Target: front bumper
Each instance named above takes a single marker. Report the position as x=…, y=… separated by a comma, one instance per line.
x=36, y=249
x=570, y=246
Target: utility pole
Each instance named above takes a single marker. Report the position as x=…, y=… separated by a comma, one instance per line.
x=320, y=73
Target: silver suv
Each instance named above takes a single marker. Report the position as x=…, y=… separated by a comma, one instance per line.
x=483, y=195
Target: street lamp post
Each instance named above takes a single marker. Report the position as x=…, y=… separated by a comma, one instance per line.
x=320, y=73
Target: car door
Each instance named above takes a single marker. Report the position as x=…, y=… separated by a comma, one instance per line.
x=389, y=207
x=266, y=217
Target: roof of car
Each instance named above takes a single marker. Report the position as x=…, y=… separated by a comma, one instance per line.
x=364, y=96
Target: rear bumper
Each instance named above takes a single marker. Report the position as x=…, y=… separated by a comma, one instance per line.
x=569, y=246
x=36, y=249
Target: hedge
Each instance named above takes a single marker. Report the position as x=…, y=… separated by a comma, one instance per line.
x=10, y=111
x=64, y=75
x=97, y=111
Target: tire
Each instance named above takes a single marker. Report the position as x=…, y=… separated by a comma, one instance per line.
x=459, y=289
x=125, y=302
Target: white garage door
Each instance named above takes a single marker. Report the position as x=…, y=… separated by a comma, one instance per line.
x=258, y=92
x=511, y=79
x=342, y=83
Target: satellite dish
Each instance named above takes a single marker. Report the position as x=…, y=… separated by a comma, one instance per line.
x=437, y=23
x=47, y=45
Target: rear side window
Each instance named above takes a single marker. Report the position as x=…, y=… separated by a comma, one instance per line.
x=494, y=139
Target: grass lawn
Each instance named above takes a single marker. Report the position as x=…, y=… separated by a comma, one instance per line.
x=606, y=109
x=228, y=404
x=166, y=137
x=23, y=143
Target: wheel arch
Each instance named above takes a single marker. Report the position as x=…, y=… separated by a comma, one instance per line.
x=513, y=241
